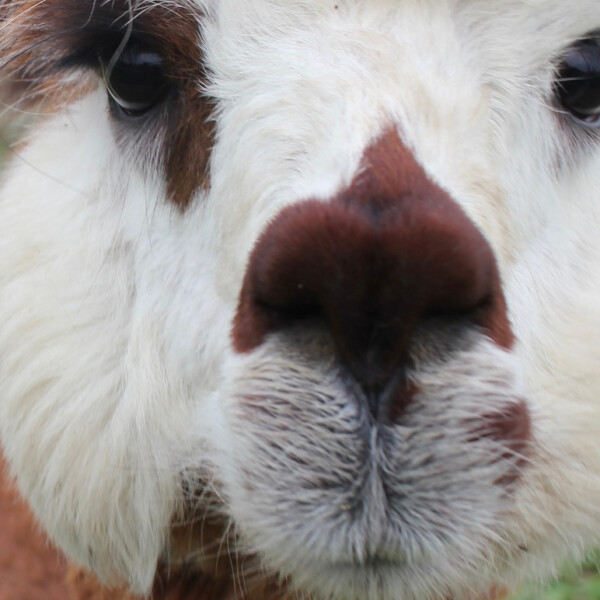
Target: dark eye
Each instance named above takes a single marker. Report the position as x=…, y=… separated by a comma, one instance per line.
x=136, y=80
x=578, y=84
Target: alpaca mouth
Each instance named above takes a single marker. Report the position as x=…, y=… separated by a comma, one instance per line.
x=375, y=497
x=374, y=577
x=375, y=563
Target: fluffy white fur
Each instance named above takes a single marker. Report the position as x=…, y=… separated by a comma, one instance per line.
x=118, y=380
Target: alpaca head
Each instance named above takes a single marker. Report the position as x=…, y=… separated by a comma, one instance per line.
x=311, y=283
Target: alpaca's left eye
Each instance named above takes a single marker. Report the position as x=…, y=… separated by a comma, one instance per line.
x=136, y=80
x=578, y=84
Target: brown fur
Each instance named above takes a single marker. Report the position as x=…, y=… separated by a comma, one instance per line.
x=30, y=569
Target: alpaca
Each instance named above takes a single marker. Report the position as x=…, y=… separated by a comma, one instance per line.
x=301, y=298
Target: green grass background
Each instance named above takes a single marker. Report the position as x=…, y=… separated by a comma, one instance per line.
x=577, y=583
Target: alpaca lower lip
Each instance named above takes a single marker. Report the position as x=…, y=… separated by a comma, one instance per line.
x=362, y=573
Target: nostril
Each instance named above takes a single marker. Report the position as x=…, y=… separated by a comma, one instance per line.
x=295, y=310
x=473, y=310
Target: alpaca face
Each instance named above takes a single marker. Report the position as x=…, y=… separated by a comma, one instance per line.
x=320, y=277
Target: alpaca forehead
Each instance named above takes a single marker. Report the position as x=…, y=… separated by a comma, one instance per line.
x=549, y=19
x=499, y=14
x=506, y=39
x=506, y=36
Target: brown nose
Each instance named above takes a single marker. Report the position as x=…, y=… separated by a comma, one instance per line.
x=388, y=254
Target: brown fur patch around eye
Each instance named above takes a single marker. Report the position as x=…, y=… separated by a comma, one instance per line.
x=188, y=144
x=49, y=52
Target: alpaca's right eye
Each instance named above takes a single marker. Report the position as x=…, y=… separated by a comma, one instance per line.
x=136, y=80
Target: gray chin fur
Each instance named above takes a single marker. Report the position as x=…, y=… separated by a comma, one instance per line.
x=352, y=509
